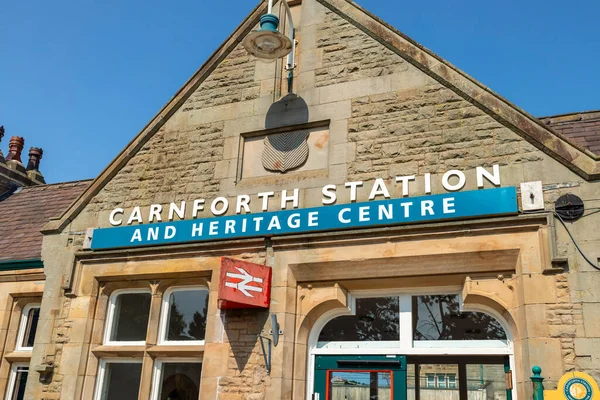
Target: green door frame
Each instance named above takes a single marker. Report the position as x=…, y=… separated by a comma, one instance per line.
x=325, y=363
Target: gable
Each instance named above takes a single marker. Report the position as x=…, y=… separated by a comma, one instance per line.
x=392, y=108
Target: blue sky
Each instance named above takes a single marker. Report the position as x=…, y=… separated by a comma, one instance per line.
x=82, y=78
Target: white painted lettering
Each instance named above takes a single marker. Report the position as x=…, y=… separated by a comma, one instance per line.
x=329, y=195
x=386, y=211
x=136, y=215
x=180, y=211
x=274, y=223
x=493, y=178
x=427, y=183
x=286, y=199
x=243, y=201
x=198, y=206
x=426, y=207
x=257, y=221
x=294, y=220
x=137, y=236
x=229, y=226
x=457, y=186
x=363, y=214
x=341, y=216
x=353, y=186
x=404, y=182
x=170, y=232
x=406, y=205
x=197, y=229
x=313, y=218
x=213, y=228
x=265, y=199
x=214, y=206
x=155, y=210
x=379, y=189
x=448, y=203
x=153, y=233
x=113, y=214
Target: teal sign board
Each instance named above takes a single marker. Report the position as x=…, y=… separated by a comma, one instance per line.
x=438, y=207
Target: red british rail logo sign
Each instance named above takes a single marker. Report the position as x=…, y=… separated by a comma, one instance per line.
x=244, y=285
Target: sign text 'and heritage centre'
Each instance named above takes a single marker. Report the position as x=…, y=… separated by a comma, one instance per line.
x=486, y=202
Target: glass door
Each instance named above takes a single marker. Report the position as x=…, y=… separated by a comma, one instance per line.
x=360, y=377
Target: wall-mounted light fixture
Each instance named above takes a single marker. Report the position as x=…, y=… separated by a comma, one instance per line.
x=267, y=43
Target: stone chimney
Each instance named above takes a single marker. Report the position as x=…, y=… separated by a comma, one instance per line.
x=33, y=166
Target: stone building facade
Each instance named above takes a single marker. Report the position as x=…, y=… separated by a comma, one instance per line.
x=376, y=108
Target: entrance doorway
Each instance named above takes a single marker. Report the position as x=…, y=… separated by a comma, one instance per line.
x=410, y=347
x=360, y=377
x=372, y=377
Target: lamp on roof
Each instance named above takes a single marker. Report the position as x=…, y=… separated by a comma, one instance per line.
x=267, y=43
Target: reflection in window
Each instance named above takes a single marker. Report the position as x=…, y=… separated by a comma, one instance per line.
x=28, y=327
x=18, y=379
x=374, y=385
x=180, y=381
x=376, y=319
x=438, y=318
x=430, y=380
x=187, y=312
x=451, y=381
x=130, y=317
x=121, y=381
x=489, y=379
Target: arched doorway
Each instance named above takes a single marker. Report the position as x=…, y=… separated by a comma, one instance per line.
x=415, y=346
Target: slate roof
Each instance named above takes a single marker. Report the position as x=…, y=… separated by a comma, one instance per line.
x=582, y=128
x=25, y=212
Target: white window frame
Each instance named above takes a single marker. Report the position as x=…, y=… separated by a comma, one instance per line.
x=13, y=377
x=164, y=317
x=158, y=369
x=440, y=380
x=430, y=384
x=100, y=383
x=406, y=345
x=23, y=326
x=112, y=305
x=451, y=381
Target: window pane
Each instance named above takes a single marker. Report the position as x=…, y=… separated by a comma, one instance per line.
x=433, y=382
x=187, y=315
x=180, y=381
x=376, y=319
x=438, y=318
x=486, y=382
x=441, y=380
x=360, y=385
x=121, y=381
x=130, y=320
x=451, y=381
x=18, y=392
x=32, y=321
x=411, y=381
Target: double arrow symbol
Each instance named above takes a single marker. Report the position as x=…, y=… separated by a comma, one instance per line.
x=243, y=285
